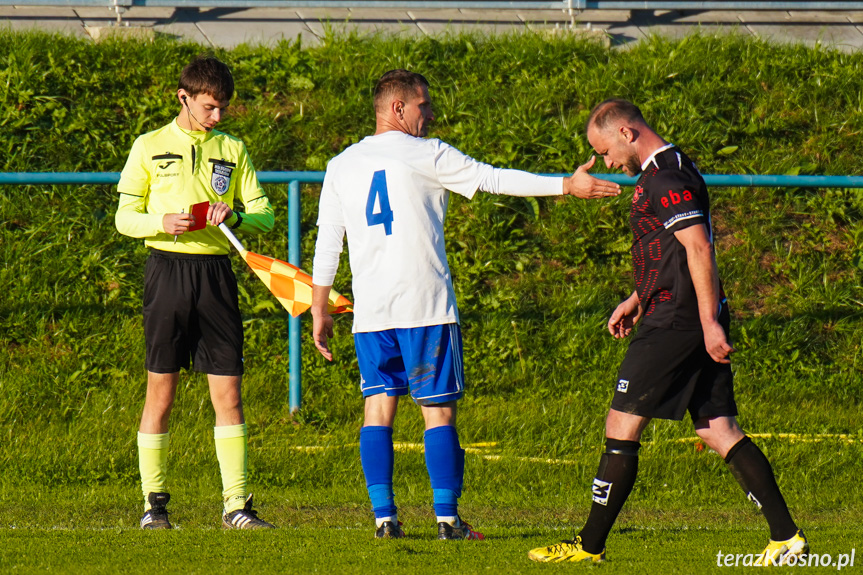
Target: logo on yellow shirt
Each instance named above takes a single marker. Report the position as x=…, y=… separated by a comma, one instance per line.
x=221, y=178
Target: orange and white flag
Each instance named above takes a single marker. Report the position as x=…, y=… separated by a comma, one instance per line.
x=291, y=285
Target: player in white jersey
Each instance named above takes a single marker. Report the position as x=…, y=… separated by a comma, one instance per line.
x=389, y=193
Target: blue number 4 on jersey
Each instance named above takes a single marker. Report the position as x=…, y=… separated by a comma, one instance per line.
x=385, y=215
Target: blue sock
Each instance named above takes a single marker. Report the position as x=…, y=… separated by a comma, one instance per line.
x=376, y=455
x=445, y=463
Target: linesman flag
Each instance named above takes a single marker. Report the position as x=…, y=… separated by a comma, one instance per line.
x=291, y=285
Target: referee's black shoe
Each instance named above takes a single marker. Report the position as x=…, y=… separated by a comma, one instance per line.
x=157, y=516
x=245, y=518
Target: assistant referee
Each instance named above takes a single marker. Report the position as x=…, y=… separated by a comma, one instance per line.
x=191, y=311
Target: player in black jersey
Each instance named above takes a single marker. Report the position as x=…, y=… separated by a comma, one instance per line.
x=679, y=358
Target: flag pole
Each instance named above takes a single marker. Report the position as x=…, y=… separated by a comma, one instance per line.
x=231, y=237
x=294, y=375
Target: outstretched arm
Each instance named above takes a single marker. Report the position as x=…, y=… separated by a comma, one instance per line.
x=464, y=175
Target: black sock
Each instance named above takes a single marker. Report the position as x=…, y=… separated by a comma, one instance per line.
x=613, y=484
x=754, y=474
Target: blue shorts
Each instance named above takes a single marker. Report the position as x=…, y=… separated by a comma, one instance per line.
x=425, y=361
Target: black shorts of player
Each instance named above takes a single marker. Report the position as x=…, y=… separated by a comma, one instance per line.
x=191, y=313
x=667, y=372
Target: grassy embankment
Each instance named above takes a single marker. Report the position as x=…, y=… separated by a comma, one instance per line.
x=535, y=279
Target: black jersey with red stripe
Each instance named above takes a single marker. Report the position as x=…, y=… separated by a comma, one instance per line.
x=669, y=196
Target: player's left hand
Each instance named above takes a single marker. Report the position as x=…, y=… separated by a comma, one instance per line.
x=582, y=185
x=624, y=317
x=218, y=213
x=717, y=343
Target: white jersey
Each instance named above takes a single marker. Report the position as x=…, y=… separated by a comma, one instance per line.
x=389, y=193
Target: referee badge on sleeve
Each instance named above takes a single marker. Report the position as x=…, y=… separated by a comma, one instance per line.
x=220, y=181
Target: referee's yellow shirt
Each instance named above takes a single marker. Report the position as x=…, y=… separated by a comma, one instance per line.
x=171, y=169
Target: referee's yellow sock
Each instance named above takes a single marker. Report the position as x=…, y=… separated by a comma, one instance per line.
x=153, y=463
x=232, y=451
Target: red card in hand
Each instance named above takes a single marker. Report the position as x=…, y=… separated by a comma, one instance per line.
x=200, y=213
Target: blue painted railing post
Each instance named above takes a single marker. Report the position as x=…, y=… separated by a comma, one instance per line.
x=294, y=343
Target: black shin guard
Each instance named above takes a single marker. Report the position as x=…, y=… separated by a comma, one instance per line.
x=754, y=474
x=613, y=484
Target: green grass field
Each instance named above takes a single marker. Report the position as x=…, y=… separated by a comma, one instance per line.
x=535, y=281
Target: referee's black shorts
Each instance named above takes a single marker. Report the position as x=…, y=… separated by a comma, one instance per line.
x=667, y=372
x=191, y=313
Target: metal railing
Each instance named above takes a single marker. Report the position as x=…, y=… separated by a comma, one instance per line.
x=719, y=180
x=120, y=5
x=294, y=179
x=570, y=6
x=466, y=4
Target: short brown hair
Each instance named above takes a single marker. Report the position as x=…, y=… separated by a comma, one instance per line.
x=399, y=83
x=613, y=110
x=207, y=75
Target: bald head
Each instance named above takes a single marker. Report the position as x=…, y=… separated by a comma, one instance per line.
x=612, y=113
x=618, y=132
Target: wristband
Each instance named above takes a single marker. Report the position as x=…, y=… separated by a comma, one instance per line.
x=238, y=222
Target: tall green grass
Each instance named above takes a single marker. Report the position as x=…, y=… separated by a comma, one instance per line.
x=535, y=279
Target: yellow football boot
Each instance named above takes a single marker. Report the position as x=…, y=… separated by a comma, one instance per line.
x=777, y=553
x=566, y=550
